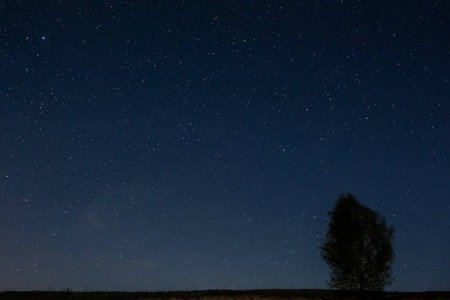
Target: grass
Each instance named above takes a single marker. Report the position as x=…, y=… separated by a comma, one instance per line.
x=68, y=294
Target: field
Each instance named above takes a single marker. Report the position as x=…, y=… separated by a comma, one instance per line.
x=222, y=295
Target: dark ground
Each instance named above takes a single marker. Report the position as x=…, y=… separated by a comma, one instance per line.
x=235, y=294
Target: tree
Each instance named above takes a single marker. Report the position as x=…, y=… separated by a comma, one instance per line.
x=357, y=247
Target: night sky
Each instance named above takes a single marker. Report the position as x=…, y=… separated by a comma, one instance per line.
x=179, y=145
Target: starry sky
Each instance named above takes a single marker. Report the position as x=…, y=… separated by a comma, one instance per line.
x=179, y=145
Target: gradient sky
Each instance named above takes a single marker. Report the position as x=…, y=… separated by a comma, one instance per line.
x=167, y=145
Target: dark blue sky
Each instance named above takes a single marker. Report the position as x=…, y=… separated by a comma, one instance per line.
x=156, y=145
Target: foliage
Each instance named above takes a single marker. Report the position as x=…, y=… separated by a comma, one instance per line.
x=222, y=295
x=357, y=247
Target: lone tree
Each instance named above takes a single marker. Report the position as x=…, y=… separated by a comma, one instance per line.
x=357, y=247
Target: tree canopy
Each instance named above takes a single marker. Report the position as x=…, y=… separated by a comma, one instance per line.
x=357, y=247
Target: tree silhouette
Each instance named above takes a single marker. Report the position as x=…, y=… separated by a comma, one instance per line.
x=357, y=247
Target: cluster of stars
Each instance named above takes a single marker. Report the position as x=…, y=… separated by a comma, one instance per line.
x=201, y=145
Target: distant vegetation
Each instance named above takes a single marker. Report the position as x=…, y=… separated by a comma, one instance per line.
x=224, y=295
